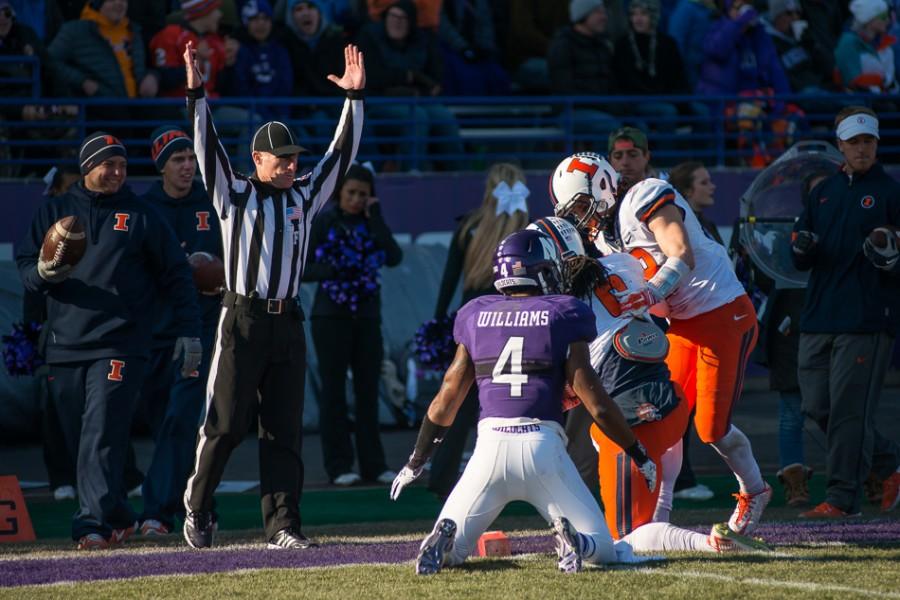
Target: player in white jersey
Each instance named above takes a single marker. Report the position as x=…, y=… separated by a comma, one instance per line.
x=628, y=355
x=712, y=321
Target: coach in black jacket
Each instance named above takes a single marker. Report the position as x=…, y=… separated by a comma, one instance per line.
x=184, y=204
x=100, y=329
x=851, y=315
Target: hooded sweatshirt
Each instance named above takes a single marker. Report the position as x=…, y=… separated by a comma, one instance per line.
x=197, y=229
x=104, y=308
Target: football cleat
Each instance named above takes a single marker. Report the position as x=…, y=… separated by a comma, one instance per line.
x=151, y=527
x=890, y=496
x=118, y=536
x=199, y=529
x=291, y=539
x=92, y=541
x=723, y=539
x=568, y=546
x=698, y=493
x=435, y=547
x=749, y=510
x=826, y=510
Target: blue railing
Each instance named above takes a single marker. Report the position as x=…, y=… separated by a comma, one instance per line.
x=452, y=133
x=30, y=83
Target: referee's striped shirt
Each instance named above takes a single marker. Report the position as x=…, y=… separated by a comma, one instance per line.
x=265, y=231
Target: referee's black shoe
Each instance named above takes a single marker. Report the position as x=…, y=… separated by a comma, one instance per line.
x=291, y=539
x=199, y=528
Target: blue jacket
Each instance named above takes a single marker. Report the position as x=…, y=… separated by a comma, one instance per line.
x=197, y=228
x=846, y=293
x=104, y=308
x=688, y=26
x=737, y=61
x=265, y=71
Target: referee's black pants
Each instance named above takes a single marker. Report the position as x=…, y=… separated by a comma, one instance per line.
x=258, y=357
x=355, y=343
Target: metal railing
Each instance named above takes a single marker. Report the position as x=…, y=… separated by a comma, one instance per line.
x=31, y=83
x=455, y=133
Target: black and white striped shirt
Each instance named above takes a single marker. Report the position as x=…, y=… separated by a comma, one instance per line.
x=265, y=231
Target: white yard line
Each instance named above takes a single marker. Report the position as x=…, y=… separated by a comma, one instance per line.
x=797, y=585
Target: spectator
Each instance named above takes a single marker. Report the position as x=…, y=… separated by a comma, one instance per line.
x=200, y=26
x=469, y=49
x=532, y=26
x=647, y=62
x=826, y=20
x=316, y=48
x=102, y=54
x=263, y=66
x=149, y=14
x=807, y=64
x=348, y=336
x=404, y=61
x=43, y=16
x=185, y=206
x=851, y=315
x=346, y=14
x=741, y=60
x=97, y=347
x=864, y=57
x=692, y=180
x=580, y=61
x=428, y=12
x=688, y=27
x=503, y=210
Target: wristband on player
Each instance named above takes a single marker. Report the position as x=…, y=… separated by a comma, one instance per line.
x=668, y=277
x=430, y=436
x=637, y=453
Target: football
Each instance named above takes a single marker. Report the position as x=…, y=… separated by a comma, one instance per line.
x=879, y=237
x=64, y=243
x=209, y=272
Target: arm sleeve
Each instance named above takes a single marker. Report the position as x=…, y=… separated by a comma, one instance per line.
x=575, y=321
x=651, y=200
x=173, y=274
x=461, y=328
x=29, y=251
x=212, y=160
x=384, y=239
x=340, y=153
x=452, y=273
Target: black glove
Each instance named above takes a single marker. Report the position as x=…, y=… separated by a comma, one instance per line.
x=192, y=350
x=804, y=243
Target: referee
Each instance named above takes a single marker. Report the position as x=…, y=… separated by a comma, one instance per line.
x=260, y=352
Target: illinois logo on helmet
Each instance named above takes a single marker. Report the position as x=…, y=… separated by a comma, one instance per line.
x=584, y=185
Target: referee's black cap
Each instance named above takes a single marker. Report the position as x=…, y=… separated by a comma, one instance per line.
x=276, y=138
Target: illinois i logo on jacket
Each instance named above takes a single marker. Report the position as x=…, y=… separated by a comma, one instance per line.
x=867, y=202
x=121, y=223
x=202, y=220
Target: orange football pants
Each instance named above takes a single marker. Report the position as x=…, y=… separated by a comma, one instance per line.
x=627, y=502
x=707, y=357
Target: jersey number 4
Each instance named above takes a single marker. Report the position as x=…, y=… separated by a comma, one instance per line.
x=512, y=355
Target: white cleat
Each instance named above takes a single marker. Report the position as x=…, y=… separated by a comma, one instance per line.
x=748, y=512
x=435, y=547
x=568, y=547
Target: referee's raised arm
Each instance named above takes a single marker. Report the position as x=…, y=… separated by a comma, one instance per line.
x=215, y=168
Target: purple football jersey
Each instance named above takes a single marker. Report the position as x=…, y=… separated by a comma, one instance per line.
x=519, y=346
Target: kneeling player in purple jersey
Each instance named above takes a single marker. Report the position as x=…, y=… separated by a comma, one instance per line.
x=522, y=347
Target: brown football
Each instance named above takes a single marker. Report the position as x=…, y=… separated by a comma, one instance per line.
x=65, y=242
x=879, y=236
x=209, y=272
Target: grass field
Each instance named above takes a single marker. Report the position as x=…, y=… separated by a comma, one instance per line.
x=368, y=546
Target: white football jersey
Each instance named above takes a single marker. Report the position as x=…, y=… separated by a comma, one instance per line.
x=711, y=284
x=625, y=274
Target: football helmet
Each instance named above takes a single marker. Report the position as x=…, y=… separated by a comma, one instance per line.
x=528, y=258
x=561, y=231
x=584, y=186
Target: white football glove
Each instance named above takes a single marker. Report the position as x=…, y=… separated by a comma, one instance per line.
x=193, y=352
x=53, y=274
x=648, y=470
x=405, y=477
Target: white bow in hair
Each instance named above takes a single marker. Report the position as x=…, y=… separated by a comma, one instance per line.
x=511, y=199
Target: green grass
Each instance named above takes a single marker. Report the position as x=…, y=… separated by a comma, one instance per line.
x=796, y=573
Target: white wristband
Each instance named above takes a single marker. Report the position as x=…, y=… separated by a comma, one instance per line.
x=668, y=277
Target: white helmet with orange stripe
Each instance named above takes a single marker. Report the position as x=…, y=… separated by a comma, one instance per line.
x=584, y=186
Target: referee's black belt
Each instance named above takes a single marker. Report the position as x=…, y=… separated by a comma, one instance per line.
x=262, y=305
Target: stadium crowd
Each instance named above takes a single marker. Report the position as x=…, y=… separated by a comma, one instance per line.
x=116, y=49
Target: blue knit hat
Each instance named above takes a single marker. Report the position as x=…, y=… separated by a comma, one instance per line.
x=166, y=140
x=96, y=148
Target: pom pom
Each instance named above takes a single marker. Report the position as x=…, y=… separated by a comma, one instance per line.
x=356, y=260
x=20, y=349
x=434, y=343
